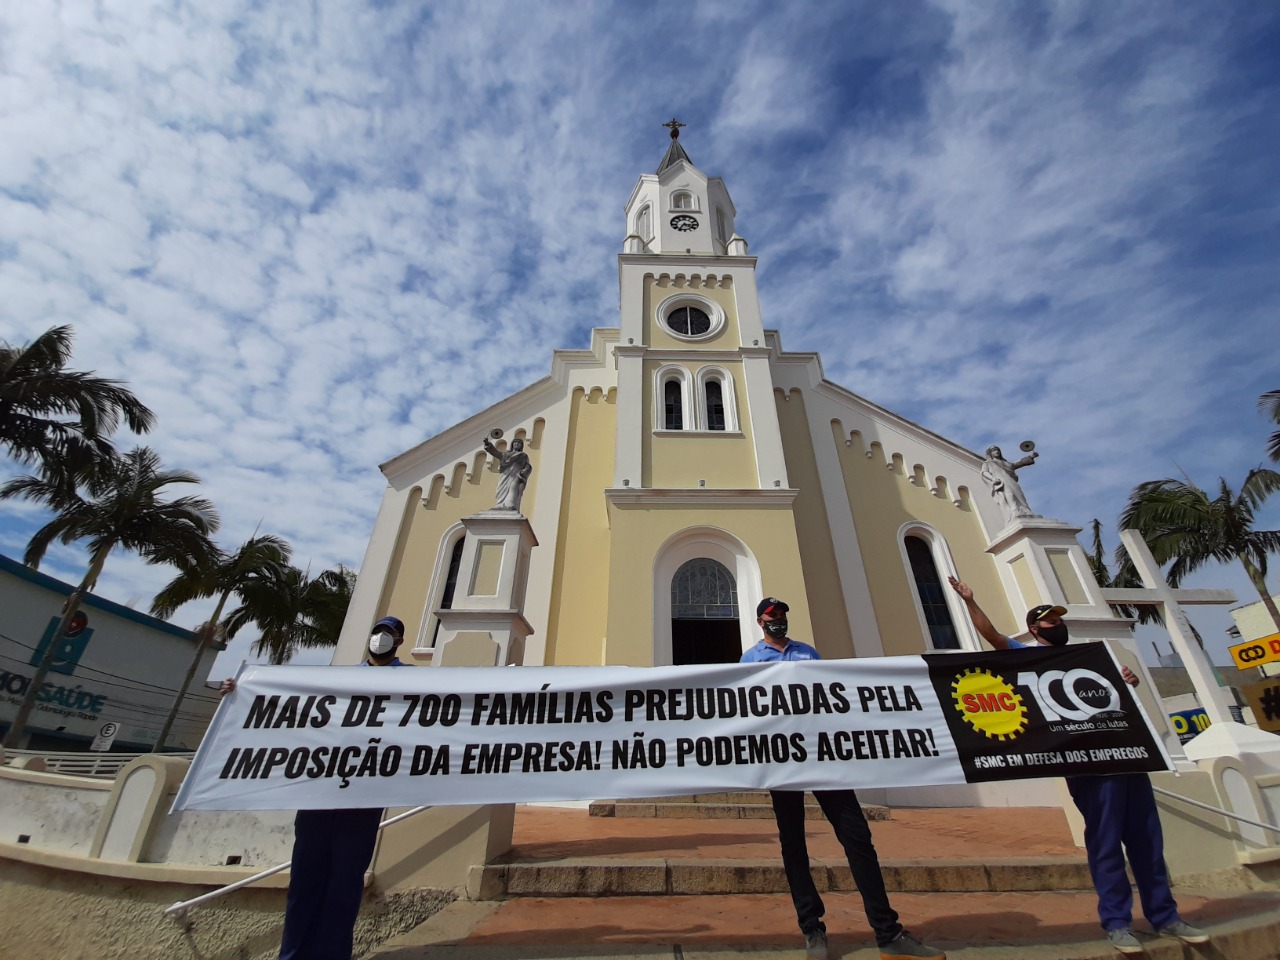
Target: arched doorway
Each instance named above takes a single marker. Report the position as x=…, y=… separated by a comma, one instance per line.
x=704, y=614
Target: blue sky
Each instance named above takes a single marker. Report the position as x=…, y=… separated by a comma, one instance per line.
x=311, y=236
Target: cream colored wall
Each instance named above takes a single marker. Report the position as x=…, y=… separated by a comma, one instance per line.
x=817, y=552
x=576, y=620
x=656, y=290
x=884, y=496
x=425, y=524
x=640, y=532
x=726, y=461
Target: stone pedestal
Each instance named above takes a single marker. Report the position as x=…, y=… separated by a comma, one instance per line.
x=488, y=602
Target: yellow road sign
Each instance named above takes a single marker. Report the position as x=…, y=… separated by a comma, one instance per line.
x=1254, y=653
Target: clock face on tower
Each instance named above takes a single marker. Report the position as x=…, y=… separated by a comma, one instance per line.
x=684, y=223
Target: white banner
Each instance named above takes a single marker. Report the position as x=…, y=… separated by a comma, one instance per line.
x=334, y=737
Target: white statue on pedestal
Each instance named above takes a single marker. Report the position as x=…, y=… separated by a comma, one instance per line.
x=1001, y=477
x=513, y=469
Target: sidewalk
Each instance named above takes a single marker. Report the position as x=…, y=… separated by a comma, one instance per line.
x=974, y=924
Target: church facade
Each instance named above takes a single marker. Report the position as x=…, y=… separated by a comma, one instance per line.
x=685, y=466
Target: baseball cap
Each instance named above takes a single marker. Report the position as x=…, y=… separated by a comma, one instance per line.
x=1040, y=612
x=770, y=605
x=391, y=623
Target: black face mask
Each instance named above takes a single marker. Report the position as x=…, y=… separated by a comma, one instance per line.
x=776, y=628
x=1055, y=635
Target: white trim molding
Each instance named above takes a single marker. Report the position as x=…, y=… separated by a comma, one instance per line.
x=684, y=298
x=665, y=374
x=693, y=544
x=728, y=397
x=946, y=567
x=422, y=645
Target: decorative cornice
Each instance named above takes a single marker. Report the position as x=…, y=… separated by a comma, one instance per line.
x=1026, y=528
x=625, y=497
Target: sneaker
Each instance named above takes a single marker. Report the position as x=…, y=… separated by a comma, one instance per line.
x=1122, y=939
x=1181, y=930
x=907, y=947
x=815, y=944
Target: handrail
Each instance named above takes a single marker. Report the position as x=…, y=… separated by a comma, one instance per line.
x=1226, y=813
x=182, y=906
x=103, y=765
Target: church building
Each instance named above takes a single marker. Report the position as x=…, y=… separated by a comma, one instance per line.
x=684, y=467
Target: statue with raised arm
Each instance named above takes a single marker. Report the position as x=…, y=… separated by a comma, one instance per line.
x=513, y=474
x=1001, y=477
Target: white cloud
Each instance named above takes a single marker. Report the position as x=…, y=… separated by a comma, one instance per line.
x=979, y=221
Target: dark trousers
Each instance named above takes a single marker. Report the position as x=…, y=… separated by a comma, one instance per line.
x=1120, y=817
x=842, y=809
x=331, y=851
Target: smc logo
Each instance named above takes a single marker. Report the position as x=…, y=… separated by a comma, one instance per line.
x=1071, y=694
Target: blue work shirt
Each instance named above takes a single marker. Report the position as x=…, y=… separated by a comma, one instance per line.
x=764, y=652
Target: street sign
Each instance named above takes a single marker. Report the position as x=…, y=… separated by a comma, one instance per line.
x=106, y=733
x=1264, y=701
x=1187, y=723
x=1254, y=653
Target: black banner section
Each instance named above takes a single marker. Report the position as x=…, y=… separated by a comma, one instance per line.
x=1042, y=711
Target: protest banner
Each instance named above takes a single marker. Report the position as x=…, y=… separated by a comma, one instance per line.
x=333, y=737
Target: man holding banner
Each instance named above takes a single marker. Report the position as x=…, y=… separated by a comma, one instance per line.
x=842, y=809
x=332, y=850
x=1119, y=812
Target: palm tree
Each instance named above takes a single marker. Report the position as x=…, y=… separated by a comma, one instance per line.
x=37, y=394
x=1126, y=575
x=1269, y=404
x=1187, y=529
x=213, y=573
x=120, y=507
x=292, y=611
x=334, y=589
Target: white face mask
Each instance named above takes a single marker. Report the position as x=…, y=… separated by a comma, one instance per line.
x=381, y=643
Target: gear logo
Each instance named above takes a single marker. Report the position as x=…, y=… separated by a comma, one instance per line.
x=988, y=704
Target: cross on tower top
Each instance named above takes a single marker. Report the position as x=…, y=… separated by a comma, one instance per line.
x=675, y=126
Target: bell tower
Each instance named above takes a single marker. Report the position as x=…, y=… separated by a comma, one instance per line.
x=680, y=210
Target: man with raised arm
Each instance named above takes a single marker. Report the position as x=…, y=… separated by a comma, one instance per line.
x=1119, y=811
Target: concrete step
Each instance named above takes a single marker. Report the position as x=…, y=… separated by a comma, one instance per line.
x=737, y=805
x=972, y=926
x=621, y=877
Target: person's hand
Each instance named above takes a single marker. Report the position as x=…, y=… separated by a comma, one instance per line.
x=965, y=591
x=1129, y=676
x=227, y=686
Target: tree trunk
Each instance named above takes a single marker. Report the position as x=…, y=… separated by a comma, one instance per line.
x=1260, y=584
x=204, y=636
x=18, y=727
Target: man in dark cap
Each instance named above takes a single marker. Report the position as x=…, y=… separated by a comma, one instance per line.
x=332, y=850
x=1119, y=811
x=845, y=814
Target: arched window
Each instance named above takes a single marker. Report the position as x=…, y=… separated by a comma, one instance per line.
x=682, y=201
x=722, y=228
x=450, y=584
x=715, y=390
x=932, y=594
x=673, y=408
x=644, y=223
x=703, y=589
x=715, y=405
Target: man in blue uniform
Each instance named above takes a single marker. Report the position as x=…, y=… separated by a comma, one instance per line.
x=332, y=850
x=842, y=809
x=1119, y=812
